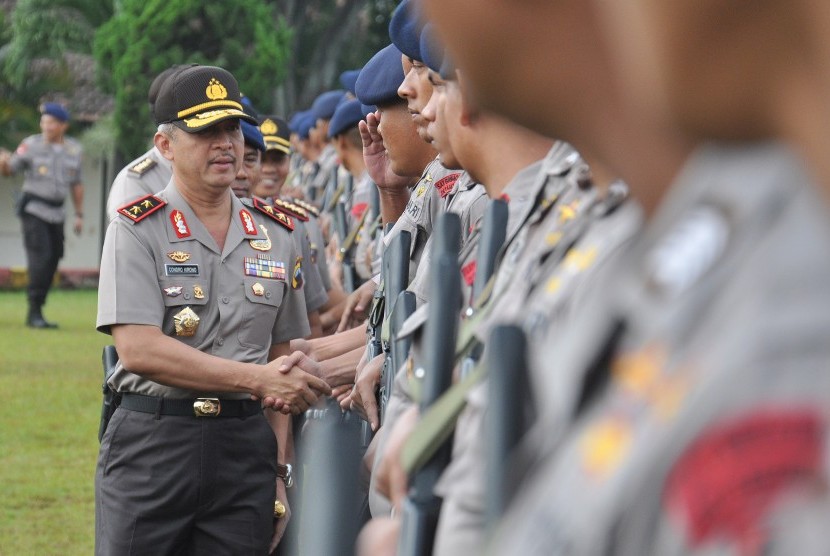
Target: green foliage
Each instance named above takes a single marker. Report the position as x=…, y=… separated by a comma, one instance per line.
x=147, y=36
x=49, y=425
x=48, y=29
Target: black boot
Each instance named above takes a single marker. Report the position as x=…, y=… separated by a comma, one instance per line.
x=36, y=320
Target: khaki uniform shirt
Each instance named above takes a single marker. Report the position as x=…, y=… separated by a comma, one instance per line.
x=147, y=174
x=154, y=269
x=713, y=426
x=50, y=172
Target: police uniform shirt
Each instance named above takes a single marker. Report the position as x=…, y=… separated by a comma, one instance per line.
x=467, y=199
x=715, y=415
x=147, y=174
x=325, y=164
x=563, y=285
x=317, y=245
x=154, y=269
x=50, y=171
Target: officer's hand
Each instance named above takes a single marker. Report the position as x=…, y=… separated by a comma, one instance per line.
x=280, y=524
x=341, y=392
x=295, y=388
x=392, y=481
x=376, y=157
x=357, y=305
x=379, y=537
x=78, y=226
x=363, y=398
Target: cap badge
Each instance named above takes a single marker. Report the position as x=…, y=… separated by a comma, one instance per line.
x=268, y=127
x=215, y=90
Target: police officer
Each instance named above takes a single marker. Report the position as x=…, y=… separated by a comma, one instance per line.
x=51, y=163
x=150, y=172
x=197, y=293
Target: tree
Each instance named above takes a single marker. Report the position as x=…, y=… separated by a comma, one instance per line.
x=329, y=36
x=147, y=36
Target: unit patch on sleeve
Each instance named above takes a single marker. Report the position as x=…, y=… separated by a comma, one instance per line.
x=141, y=208
x=445, y=184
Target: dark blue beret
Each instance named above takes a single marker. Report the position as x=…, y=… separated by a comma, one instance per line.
x=432, y=50
x=324, y=105
x=405, y=30
x=305, y=124
x=345, y=117
x=57, y=111
x=294, y=121
x=252, y=135
x=447, y=70
x=348, y=78
x=380, y=78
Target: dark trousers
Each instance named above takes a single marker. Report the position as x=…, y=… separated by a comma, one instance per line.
x=185, y=485
x=44, y=248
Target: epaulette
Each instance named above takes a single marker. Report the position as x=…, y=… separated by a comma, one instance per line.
x=269, y=211
x=141, y=208
x=143, y=166
x=307, y=206
x=293, y=210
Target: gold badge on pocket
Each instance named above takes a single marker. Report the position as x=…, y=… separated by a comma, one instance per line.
x=186, y=322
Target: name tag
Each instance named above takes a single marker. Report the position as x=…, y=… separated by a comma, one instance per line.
x=181, y=269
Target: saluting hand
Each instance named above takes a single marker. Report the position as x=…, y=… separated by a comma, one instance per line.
x=376, y=157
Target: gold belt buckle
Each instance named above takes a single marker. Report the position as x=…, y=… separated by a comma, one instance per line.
x=207, y=407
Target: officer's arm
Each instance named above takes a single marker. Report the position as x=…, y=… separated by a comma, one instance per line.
x=146, y=351
x=78, y=199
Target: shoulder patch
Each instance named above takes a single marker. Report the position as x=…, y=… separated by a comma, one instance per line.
x=269, y=211
x=291, y=209
x=143, y=166
x=307, y=206
x=141, y=208
x=445, y=184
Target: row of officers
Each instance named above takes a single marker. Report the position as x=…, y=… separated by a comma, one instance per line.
x=557, y=286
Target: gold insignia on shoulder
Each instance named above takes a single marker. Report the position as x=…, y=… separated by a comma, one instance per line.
x=179, y=256
x=604, y=445
x=186, y=322
x=421, y=190
x=135, y=212
x=215, y=90
x=135, y=209
x=258, y=289
x=269, y=127
x=143, y=166
x=42, y=170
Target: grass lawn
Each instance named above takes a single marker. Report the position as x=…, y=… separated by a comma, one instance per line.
x=50, y=387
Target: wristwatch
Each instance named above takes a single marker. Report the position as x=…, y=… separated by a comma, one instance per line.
x=286, y=473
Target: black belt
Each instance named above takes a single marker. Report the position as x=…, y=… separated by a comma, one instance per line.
x=190, y=407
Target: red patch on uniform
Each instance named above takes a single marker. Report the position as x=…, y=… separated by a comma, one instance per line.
x=21, y=149
x=179, y=224
x=733, y=474
x=359, y=209
x=247, y=222
x=469, y=273
x=446, y=184
x=505, y=197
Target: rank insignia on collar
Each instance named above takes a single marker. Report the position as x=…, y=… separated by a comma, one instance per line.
x=179, y=224
x=143, y=166
x=179, y=256
x=269, y=211
x=247, y=222
x=141, y=208
x=198, y=292
x=261, y=244
x=297, y=277
x=173, y=291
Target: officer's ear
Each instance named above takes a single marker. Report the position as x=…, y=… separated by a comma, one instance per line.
x=470, y=110
x=163, y=142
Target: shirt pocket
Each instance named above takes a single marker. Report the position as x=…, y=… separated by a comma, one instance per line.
x=71, y=170
x=263, y=298
x=177, y=295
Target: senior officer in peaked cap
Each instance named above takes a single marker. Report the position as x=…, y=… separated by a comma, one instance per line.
x=200, y=304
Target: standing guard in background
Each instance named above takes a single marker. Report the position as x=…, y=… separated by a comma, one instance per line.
x=51, y=163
